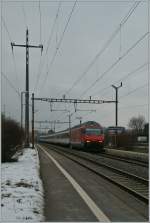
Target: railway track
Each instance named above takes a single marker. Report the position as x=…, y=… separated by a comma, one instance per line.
x=127, y=160
x=134, y=184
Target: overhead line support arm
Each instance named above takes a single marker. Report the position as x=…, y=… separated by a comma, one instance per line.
x=75, y=100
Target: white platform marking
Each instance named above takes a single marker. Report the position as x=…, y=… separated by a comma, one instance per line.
x=90, y=203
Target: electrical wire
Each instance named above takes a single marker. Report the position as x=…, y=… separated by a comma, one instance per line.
x=105, y=46
x=10, y=84
x=59, y=43
x=115, y=63
x=126, y=17
x=133, y=106
x=126, y=76
x=13, y=56
x=41, y=64
x=24, y=15
x=15, y=69
x=140, y=1
x=53, y=27
x=40, y=22
x=87, y=1
x=102, y=50
x=131, y=92
x=40, y=40
x=123, y=78
x=5, y=26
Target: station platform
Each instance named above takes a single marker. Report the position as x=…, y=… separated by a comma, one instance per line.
x=128, y=154
x=62, y=202
x=66, y=202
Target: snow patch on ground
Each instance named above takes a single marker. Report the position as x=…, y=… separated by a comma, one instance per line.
x=21, y=189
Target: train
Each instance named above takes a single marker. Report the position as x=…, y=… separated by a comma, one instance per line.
x=87, y=136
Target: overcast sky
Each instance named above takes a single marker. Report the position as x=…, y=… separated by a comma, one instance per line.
x=66, y=57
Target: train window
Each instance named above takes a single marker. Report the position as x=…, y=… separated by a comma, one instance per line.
x=93, y=131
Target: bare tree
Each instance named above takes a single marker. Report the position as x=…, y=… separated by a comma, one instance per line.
x=137, y=124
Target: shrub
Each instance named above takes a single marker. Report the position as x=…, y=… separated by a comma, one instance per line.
x=12, y=135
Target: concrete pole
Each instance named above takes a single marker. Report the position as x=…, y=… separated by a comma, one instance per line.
x=27, y=92
x=32, y=121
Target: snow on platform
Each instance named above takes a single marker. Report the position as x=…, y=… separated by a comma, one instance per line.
x=21, y=189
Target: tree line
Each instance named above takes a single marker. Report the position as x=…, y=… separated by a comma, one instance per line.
x=12, y=136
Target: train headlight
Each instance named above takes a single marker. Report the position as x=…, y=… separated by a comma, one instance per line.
x=87, y=141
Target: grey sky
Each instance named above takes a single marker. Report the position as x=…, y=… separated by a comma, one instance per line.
x=90, y=26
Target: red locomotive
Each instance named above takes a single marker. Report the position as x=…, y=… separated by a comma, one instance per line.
x=87, y=136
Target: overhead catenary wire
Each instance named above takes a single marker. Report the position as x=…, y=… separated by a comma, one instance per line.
x=5, y=26
x=40, y=40
x=124, y=20
x=53, y=27
x=60, y=41
x=24, y=15
x=10, y=84
x=42, y=62
x=52, y=31
x=134, y=90
x=102, y=50
x=133, y=106
x=131, y=92
x=143, y=86
x=15, y=69
x=115, y=63
x=88, y=1
x=13, y=56
x=125, y=95
x=120, y=40
x=123, y=78
x=57, y=31
x=40, y=22
x=126, y=76
x=128, y=15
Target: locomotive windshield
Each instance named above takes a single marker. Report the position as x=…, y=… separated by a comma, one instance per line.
x=93, y=131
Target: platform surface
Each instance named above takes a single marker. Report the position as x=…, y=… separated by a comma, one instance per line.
x=63, y=203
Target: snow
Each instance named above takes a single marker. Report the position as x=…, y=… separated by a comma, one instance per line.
x=21, y=189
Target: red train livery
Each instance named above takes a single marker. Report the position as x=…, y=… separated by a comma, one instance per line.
x=87, y=136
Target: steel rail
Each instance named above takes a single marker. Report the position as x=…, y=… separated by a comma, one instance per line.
x=126, y=160
x=95, y=160
x=133, y=184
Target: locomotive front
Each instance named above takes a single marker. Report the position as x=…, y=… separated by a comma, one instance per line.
x=92, y=137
